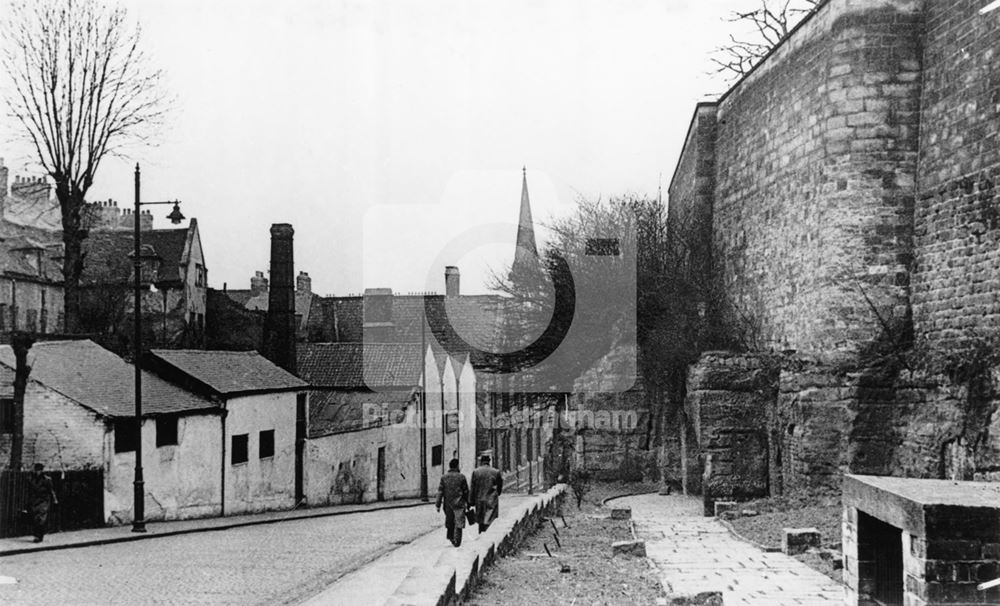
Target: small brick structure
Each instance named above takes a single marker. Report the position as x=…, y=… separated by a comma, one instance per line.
x=705, y=598
x=629, y=548
x=799, y=540
x=621, y=513
x=920, y=542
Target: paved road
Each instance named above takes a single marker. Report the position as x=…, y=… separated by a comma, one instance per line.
x=277, y=563
x=695, y=554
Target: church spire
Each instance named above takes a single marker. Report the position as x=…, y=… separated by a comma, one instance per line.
x=526, y=252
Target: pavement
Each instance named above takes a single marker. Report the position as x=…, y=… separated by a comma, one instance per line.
x=378, y=581
x=118, y=534
x=694, y=554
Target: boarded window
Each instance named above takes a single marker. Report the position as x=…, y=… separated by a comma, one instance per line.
x=241, y=447
x=437, y=454
x=266, y=444
x=126, y=435
x=166, y=431
x=6, y=415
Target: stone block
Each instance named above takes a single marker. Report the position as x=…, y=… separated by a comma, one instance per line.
x=705, y=598
x=722, y=507
x=799, y=540
x=621, y=513
x=629, y=548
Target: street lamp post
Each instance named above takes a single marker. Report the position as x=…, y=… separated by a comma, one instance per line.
x=175, y=216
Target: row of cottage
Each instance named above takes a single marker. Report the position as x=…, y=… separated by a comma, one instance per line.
x=226, y=432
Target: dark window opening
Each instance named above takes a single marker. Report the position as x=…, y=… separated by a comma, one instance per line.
x=6, y=415
x=437, y=454
x=166, y=431
x=126, y=435
x=241, y=448
x=880, y=559
x=265, y=446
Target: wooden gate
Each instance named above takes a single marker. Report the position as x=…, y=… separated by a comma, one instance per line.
x=80, y=494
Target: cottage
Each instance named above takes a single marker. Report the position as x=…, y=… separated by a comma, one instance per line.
x=262, y=422
x=79, y=408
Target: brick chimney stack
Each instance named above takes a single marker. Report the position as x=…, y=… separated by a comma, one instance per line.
x=279, y=332
x=258, y=283
x=451, y=277
x=303, y=283
x=379, y=326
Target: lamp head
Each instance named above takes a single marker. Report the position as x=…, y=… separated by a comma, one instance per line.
x=175, y=215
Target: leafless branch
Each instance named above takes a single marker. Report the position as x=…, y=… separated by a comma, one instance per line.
x=769, y=23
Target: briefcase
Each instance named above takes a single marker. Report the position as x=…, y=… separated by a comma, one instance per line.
x=470, y=515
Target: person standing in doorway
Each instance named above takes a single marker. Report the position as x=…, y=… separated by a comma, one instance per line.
x=487, y=484
x=43, y=496
x=453, y=494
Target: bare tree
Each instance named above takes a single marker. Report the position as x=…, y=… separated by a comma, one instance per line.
x=79, y=86
x=768, y=25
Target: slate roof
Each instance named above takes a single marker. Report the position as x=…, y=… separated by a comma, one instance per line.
x=303, y=304
x=229, y=372
x=337, y=412
x=241, y=296
x=474, y=319
x=101, y=381
x=360, y=365
x=111, y=249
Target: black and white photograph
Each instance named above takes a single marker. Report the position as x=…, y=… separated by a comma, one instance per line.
x=500, y=302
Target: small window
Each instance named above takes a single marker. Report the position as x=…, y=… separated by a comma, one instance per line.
x=241, y=444
x=266, y=444
x=166, y=431
x=437, y=453
x=6, y=415
x=126, y=435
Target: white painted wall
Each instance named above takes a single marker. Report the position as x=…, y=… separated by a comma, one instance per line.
x=343, y=467
x=181, y=481
x=261, y=484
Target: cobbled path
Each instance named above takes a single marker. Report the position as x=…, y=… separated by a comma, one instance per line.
x=278, y=563
x=695, y=554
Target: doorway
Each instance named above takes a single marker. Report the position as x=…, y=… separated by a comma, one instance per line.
x=380, y=475
x=880, y=546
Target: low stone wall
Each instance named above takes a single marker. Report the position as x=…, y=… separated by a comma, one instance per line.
x=456, y=573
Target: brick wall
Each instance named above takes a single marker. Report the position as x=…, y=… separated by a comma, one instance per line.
x=956, y=279
x=814, y=160
x=59, y=433
x=692, y=191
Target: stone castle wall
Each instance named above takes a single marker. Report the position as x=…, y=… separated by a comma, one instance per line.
x=852, y=201
x=956, y=277
x=816, y=155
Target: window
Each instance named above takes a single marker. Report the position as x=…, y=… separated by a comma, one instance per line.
x=126, y=435
x=241, y=447
x=265, y=445
x=437, y=453
x=6, y=415
x=166, y=431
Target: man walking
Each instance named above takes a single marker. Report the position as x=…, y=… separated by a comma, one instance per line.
x=43, y=495
x=487, y=484
x=453, y=494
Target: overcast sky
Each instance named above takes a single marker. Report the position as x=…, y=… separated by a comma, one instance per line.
x=384, y=130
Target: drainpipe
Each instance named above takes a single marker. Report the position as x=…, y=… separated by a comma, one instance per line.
x=222, y=476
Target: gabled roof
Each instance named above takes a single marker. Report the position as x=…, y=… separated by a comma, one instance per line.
x=335, y=412
x=112, y=249
x=227, y=372
x=261, y=301
x=101, y=381
x=360, y=365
